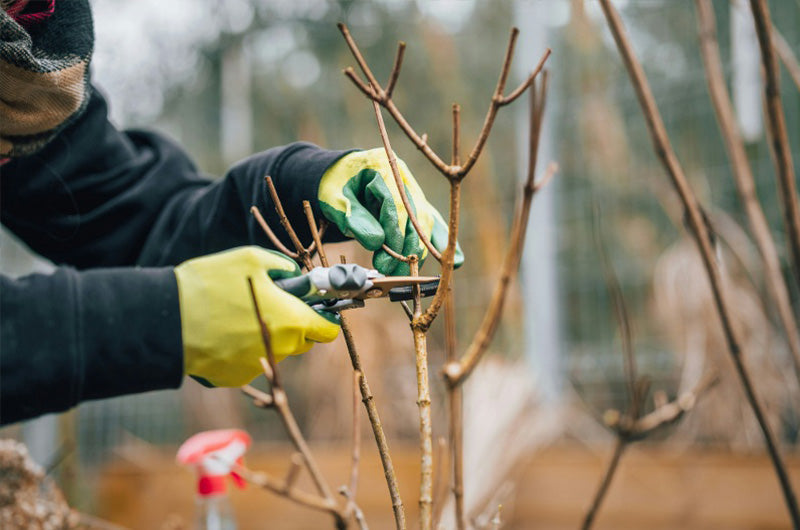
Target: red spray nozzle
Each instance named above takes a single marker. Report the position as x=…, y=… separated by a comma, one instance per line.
x=214, y=454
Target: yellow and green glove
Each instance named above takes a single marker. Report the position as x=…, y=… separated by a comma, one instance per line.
x=358, y=194
x=221, y=335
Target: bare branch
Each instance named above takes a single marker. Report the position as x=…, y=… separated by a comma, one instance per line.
x=375, y=423
x=302, y=252
x=455, y=159
x=401, y=187
x=398, y=63
x=779, y=138
x=698, y=230
x=672, y=412
x=363, y=87
x=260, y=399
x=743, y=177
x=270, y=234
x=602, y=489
x=375, y=93
x=517, y=92
x=360, y=60
x=786, y=55
x=498, y=101
x=315, y=233
x=395, y=255
x=455, y=373
x=269, y=367
x=295, y=464
x=620, y=309
x=265, y=481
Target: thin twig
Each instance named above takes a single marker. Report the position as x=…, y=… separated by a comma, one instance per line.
x=315, y=233
x=358, y=514
x=270, y=234
x=669, y=413
x=401, y=188
x=498, y=100
x=698, y=230
x=786, y=55
x=395, y=255
x=456, y=373
x=302, y=252
x=424, y=321
x=409, y=313
x=779, y=138
x=455, y=158
x=743, y=177
x=265, y=481
x=360, y=59
x=376, y=93
x=620, y=309
x=377, y=427
x=281, y=404
x=270, y=367
x=398, y=63
x=260, y=399
x=619, y=447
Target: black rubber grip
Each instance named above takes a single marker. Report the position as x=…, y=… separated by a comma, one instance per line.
x=407, y=293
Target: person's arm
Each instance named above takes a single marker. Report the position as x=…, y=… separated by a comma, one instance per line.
x=71, y=336
x=97, y=196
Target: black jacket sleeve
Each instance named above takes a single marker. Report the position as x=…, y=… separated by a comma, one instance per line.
x=133, y=204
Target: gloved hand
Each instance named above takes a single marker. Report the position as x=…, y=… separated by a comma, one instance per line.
x=221, y=335
x=359, y=195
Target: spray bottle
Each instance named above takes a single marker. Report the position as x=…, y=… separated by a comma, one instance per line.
x=213, y=454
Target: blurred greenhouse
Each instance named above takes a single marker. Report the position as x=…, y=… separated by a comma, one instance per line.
x=230, y=78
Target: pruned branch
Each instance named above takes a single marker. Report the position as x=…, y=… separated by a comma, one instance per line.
x=698, y=230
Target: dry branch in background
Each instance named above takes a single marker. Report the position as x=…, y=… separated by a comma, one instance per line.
x=777, y=135
x=699, y=232
x=786, y=55
x=633, y=424
x=743, y=177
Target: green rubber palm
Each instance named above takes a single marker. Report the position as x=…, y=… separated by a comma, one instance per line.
x=359, y=195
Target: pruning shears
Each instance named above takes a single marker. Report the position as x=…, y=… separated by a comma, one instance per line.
x=346, y=286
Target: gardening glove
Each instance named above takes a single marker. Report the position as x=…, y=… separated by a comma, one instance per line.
x=358, y=193
x=221, y=334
